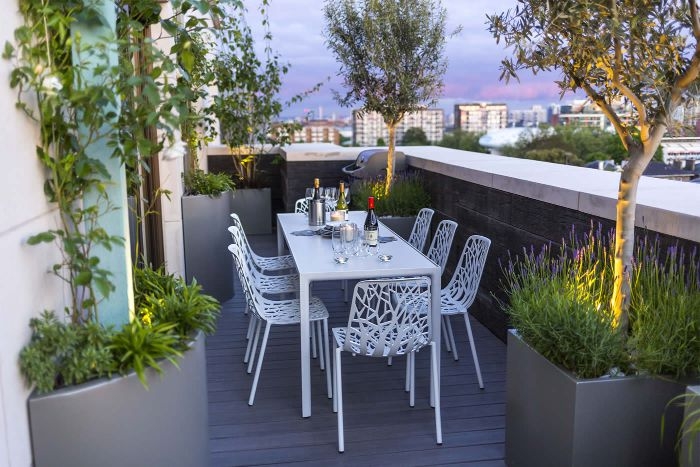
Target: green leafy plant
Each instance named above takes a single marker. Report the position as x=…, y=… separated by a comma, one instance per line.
x=406, y=198
x=199, y=182
x=690, y=426
x=558, y=303
x=61, y=354
x=139, y=347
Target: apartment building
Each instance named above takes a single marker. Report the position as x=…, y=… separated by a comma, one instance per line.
x=319, y=131
x=370, y=127
x=479, y=117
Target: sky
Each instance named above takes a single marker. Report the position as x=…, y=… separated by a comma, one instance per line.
x=473, y=59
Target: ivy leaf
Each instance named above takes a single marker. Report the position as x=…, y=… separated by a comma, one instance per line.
x=8, y=52
x=83, y=278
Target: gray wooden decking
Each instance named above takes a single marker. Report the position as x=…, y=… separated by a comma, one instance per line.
x=380, y=427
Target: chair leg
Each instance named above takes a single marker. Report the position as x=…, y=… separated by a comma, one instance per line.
x=445, y=339
x=314, y=329
x=252, y=322
x=339, y=398
x=407, y=387
x=473, y=347
x=345, y=290
x=258, y=325
x=435, y=386
x=326, y=351
x=389, y=361
x=451, y=335
x=251, y=399
x=412, y=392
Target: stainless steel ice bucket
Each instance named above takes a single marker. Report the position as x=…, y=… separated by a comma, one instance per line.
x=317, y=212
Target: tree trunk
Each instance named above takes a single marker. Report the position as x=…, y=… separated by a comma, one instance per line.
x=624, y=233
x=390, y=158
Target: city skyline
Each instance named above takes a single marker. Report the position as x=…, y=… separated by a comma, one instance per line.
x=473, y=59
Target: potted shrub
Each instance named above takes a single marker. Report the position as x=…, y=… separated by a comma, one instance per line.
x=397, y=209
x=247, y=106
x=206, y=206
x=579, y=390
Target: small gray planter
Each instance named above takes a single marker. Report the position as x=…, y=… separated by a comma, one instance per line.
x=690, y=457
x=254, y=207
x=554, y=419
x=205, y=223
x=117, y=422
x=400, y=225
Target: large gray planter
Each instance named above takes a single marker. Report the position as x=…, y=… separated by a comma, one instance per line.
x=205, y=223
x=690, y=452
x=254, y=207
x=117, y=422
x=554, y=419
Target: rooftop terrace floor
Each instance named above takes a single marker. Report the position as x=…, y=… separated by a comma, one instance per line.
x=380, y=427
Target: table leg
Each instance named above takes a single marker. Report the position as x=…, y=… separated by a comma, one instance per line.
x=435, y=331
x=305, y=351
x=280, y=240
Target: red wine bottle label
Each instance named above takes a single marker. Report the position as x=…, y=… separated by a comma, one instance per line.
x=371, y=237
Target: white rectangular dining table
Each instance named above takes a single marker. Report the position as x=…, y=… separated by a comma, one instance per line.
x=314, y=259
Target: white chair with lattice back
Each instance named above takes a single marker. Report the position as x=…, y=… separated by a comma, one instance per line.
x=459, y=294
x=383, y=323
x=277, y=312
x=265, y=263
x=421, y=227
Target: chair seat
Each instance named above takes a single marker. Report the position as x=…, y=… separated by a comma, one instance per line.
x=275, y=263
x=277, y=284
x=448, y=306
x=289, y=311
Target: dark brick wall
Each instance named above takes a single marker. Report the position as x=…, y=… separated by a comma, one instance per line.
x=297, y=176
x=512, y=222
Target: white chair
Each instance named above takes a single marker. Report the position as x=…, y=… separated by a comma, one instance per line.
x=383, y=323
x=459, y=294
x=302, y=205
x=439, y=249
x=265, y=263
x=421, y=227
x=279, y=312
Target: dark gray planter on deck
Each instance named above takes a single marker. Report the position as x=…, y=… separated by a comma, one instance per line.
x=690, y=452
x=554, y=419
x=254, y=207
x=117, y=422
x=205, y=223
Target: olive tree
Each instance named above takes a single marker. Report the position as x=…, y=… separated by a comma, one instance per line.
x=640, y=52
x=391, y=57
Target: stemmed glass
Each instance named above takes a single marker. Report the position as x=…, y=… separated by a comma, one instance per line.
x=331, y=195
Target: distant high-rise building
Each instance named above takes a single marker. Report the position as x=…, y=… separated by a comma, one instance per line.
x=369, y=128
x=478, y=117
x=527, y=117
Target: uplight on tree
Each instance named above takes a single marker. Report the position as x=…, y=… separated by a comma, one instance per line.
x=636, y=51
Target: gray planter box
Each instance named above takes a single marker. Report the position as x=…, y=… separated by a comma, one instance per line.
x=690, y=457
x=554, y=419
x=205, y=223
x=117, y=422
x=254, y=207
x=400, y=225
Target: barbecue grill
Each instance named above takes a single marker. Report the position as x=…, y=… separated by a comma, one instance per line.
x=371, y=163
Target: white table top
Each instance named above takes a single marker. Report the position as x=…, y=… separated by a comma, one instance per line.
x=314, y=257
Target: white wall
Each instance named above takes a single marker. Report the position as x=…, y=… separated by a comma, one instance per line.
x=26, y=287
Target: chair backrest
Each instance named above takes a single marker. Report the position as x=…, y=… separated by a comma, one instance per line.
x=246, y=274
x=301, y=205
x=465, y=280
x=421, y=227
x=442, y=242
x=389, y=317
x=241, y=239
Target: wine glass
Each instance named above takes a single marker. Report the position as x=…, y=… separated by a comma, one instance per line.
x=309, y=193
x=339, y=244
x=331, y=195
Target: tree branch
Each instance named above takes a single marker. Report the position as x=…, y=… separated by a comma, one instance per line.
x=608, y=111
x=694, y=20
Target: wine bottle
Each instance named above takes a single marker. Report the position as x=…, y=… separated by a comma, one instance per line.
x=371, y=228
x=317, y=189
x=342, y=205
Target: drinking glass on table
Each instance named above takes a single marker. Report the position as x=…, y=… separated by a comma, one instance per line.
x=339, y=245
x=309, y=193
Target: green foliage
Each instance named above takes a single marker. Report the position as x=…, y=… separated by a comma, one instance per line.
x=199, y=182
x=665, y=311
x=62, y=354
x=415, y=137
x=248, y=101
x=559, y=303
x=464, y=140
x=407, y=196
x=139, y=347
